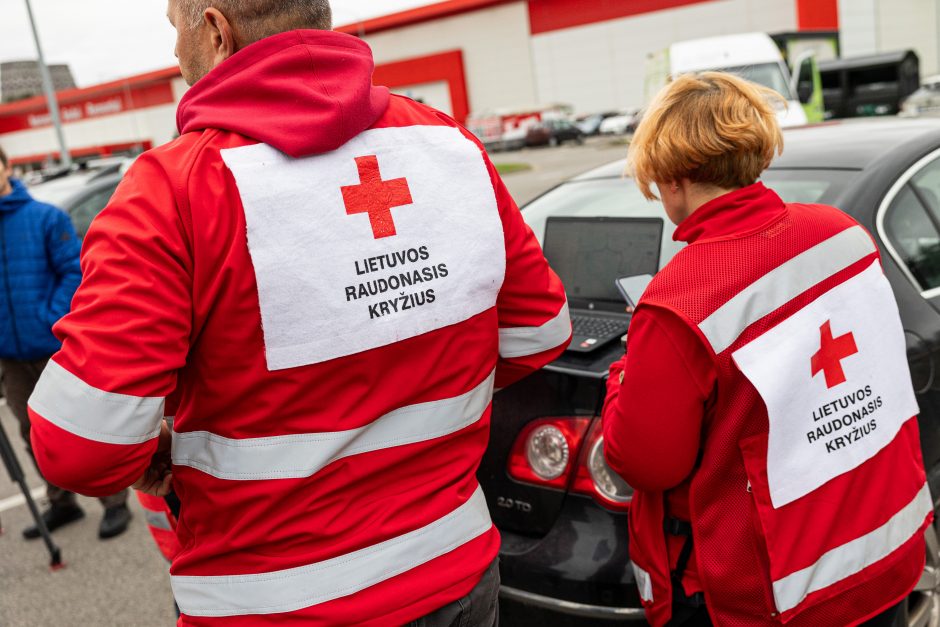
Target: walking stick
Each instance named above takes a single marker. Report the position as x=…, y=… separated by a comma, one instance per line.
x=16, y=474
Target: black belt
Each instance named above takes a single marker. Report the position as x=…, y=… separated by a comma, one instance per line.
x=676, y=527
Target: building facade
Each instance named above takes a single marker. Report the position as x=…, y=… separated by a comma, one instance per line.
x=485, y=55
x=125, y=116
x=23, y=79
x=480, y=56
x=875, y=26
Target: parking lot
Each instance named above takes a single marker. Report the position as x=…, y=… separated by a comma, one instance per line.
x=551, y=166
x=124, y=581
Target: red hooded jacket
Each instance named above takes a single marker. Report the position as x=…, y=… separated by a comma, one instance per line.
x=335, y=279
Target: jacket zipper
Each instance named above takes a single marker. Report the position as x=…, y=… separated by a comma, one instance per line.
x=6, y=286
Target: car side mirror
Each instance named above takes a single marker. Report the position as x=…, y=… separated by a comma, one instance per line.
x=803, y=81
x=805, y=92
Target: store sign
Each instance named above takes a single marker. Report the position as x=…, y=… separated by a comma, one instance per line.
x=73, y=113
x=77, y=110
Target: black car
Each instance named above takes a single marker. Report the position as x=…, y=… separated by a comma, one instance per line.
x=560, y=509
x=553, y=133
x=82, y=194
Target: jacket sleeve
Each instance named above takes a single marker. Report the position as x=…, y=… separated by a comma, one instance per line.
x=98, y=407
x=534, y=326
x=63, y=249
x=656, y=402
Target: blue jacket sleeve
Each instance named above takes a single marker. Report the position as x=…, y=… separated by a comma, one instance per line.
x=63, y=249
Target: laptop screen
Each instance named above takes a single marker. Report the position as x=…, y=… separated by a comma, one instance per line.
x=590, y=254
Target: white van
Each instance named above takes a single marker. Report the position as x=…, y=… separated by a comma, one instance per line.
x=753, y=56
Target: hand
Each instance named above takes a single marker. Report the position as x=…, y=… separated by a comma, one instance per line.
x=630, y=309
x=157, y=480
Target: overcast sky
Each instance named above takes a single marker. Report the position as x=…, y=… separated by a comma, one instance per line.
x=109, y=39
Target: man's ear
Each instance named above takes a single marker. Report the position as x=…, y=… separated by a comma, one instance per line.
x=221, y=34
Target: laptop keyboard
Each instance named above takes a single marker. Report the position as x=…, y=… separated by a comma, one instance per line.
x=591, y=326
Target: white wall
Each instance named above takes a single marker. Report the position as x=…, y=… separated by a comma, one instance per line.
x=179, y=88
x=858, y=30
x=872, y=26
x=436, y=94
x=495, y=45
x=156, y=124
x=603, y=66
x=911, y=24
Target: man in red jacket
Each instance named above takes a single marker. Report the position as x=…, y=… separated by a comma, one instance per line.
x=334, y=280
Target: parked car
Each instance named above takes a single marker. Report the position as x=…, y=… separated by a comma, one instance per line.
x=591, y=124
x=513, y=139
x=621, y=124
x=564, y=554
x=81, y=194
x=924, y=101
x=553, y=133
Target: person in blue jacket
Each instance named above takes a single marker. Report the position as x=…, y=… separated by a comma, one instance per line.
x=39, y=273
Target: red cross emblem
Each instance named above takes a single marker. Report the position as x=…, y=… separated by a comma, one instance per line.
x=376, y=197
x=831, y=353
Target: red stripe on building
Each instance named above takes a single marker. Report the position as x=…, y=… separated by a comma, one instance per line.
x=137, y=92
x=551, y=15
x=817, y=14
x=87, y=151
x=446, y=66
x=410, y=17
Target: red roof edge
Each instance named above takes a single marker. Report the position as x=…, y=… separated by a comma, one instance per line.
x=417, y=15
x=66, y=95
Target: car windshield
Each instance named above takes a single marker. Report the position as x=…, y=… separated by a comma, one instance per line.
x=620, y=197
x=600, y=197
x=809, y=186
x=766, y=74
x=57, y=191
x=592, y=198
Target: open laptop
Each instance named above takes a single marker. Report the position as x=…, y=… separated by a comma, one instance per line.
x=590, y=254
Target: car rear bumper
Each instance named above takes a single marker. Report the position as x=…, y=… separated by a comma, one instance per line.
x=576, y=574
x=560, y=606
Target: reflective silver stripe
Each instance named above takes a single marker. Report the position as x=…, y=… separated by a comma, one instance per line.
x=644, y=582
x=158, y=520
x=524, y=341
x=783, y=284
x=852, y=557
x=296, y=588
x=297, y=456
x=71, y=404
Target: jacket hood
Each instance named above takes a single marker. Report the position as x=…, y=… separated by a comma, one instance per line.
x=15, y=199
x=303, y=92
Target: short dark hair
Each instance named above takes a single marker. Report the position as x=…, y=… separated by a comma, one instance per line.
x=3, y=159
x=258, y=19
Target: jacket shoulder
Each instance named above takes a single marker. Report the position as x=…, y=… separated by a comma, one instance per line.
x=178, y=152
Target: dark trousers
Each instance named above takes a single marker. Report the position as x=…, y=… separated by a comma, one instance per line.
x=19, y=380
x=698, y=617
x=480, y=608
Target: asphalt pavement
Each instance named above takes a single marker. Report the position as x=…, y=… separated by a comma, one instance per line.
x=551, y=166
x=124, y=581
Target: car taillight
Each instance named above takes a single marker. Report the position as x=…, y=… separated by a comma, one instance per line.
x=546, y=450
x=597, y=479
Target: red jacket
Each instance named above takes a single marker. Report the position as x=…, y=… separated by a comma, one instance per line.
x=161, y=523
x=765, y=393
x=336, y=279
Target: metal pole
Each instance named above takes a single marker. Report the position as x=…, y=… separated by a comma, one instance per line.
x=65, y=157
